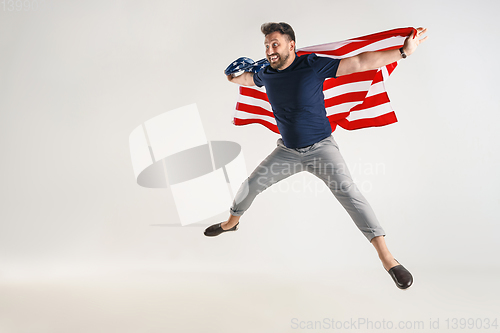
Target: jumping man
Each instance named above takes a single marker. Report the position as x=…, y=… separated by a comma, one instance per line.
x=294, y=86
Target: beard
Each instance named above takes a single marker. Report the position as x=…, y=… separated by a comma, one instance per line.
x=280, y=62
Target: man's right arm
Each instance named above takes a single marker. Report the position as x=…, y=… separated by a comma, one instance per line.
x=245, y=79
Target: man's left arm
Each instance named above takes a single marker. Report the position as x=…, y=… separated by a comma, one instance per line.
x=372, y=60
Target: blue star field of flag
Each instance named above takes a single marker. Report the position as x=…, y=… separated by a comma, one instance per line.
x=245, y=64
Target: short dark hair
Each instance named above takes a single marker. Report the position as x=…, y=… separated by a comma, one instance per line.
x=282, y=27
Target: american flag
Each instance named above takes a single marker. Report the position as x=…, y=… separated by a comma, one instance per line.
x=353, y=101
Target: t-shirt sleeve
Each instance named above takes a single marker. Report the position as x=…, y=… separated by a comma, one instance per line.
x=257, y=79
x=324, y=67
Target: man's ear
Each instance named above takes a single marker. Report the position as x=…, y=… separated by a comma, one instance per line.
x=292, y=45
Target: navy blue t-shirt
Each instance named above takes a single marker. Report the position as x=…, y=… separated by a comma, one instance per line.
x=296, y=96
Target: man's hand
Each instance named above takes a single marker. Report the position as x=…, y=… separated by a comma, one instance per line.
x=411, y=42
x=245, y=79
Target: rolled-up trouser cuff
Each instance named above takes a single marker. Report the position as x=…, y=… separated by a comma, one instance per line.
x=235, y=213
x=375, y=234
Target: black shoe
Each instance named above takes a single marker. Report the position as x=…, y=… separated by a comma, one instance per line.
x=401, y=276
x=216, y=229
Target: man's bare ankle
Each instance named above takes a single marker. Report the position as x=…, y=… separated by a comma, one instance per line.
x=226, y=225
x=389, y=261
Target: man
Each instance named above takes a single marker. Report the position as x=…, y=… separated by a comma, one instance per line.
x=294, y=86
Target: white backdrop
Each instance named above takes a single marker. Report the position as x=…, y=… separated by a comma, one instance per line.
x=76, y=77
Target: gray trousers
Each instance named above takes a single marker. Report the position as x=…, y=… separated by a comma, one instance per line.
x=322, y=159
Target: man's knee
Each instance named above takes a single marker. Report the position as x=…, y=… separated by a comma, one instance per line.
x=343, y=185
x=259, y=183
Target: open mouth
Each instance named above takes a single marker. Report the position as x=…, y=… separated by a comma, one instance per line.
x=274, y=57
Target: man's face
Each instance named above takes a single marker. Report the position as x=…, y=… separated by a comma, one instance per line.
x=278, y=49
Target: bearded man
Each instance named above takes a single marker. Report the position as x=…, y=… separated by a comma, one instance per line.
x=294, y=86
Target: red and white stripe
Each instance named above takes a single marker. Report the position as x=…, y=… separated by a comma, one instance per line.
x=352, y=101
